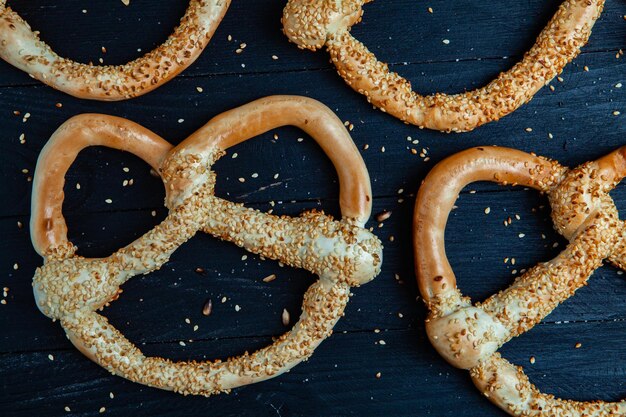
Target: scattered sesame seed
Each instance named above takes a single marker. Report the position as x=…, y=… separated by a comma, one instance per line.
x=208, y=307
x=488, y=210
x=382, y=216
x=446, y=41
x=108, y=201
x=237, y=308
x=269, y=278
x=578, y=345
x=51, y=357
x=285, y=317
x=532, y=359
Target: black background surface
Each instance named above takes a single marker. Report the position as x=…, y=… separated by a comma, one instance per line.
x=340, y=378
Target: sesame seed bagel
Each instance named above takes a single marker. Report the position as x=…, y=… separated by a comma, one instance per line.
x=468, y=336
x=71, y=288
x=311, y=24
x=21, y=47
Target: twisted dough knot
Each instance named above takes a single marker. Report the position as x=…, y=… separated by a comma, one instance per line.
x=467, y=336
x=308, y=23
x=71, y=288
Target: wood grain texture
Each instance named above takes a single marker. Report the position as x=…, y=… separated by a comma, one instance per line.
x=340, y=379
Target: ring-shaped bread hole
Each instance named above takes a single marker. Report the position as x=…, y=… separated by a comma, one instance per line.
x=80, y=32
x=618, y=194
x=283, y=170
x=577, y=360
x=248, y=294
x=591, y=371
x=457, y=47
x=485, y=254
x=111, y=199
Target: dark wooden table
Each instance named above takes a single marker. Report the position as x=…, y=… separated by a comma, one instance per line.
x=42, y=374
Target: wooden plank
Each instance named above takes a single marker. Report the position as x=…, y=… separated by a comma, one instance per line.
x=569, y=114
x=340, y=378
x=400, y=33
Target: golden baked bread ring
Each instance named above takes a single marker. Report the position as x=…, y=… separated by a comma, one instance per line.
x=22, y=48
x=313, y=24
x=468, y=336
x=70, y=288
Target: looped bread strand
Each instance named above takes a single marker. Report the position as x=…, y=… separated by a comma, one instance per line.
x=311, y=24
x=469, y=336
x=21, y=47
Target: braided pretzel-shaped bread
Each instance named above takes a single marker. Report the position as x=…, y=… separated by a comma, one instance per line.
x=469, y=336
x=22, y=48
x=71, y=288
x=311, y=24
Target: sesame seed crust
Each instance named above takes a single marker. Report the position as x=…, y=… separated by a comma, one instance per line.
x=21, y=47
x=71, y=288
x=467, y=336
x=311, y=24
